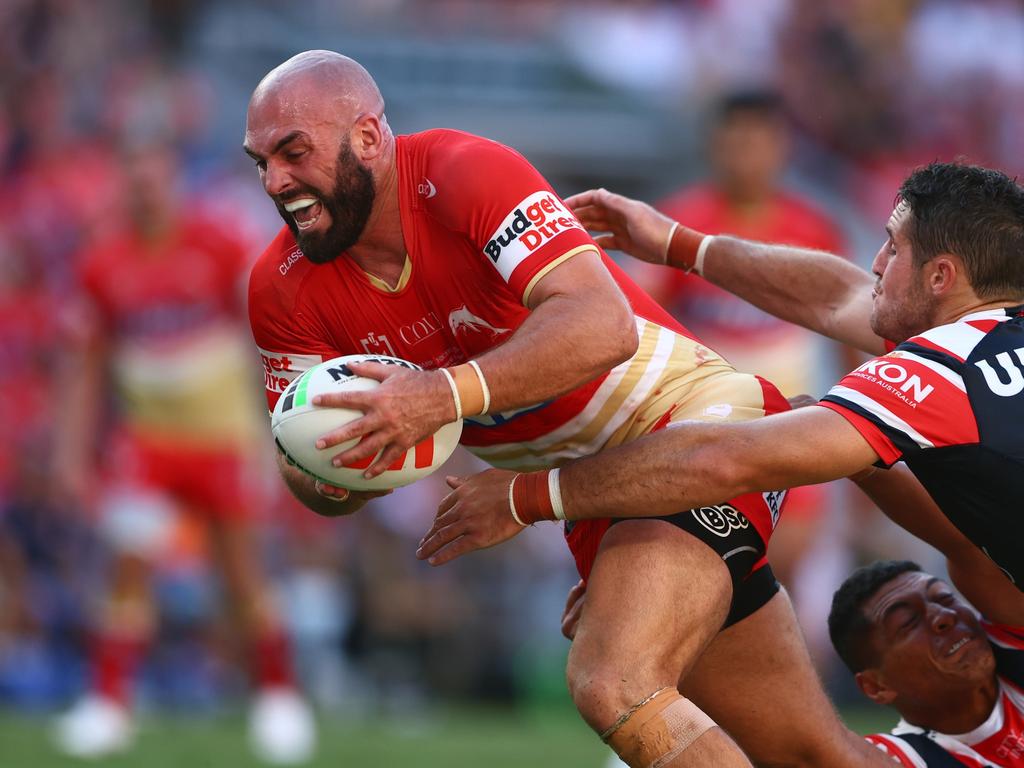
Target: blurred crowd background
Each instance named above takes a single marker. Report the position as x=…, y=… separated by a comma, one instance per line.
x=839, y=98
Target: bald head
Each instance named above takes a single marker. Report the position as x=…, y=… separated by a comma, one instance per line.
x=316, y=129
x=320, y=79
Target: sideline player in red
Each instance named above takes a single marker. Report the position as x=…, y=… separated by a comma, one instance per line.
x=745, y=195
x=160, y=321
x=947, y=400
x=957, y=681
x=453, y=252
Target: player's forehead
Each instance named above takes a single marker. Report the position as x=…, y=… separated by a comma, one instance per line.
x=267, y=128
x=898, y=218
x=905, y=586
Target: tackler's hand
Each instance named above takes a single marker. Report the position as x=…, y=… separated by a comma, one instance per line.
x=475, y=515
x=629, y=226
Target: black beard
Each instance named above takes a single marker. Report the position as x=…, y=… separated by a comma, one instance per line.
x=349, y=205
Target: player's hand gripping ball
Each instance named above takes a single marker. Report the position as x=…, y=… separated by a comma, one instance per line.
x=297, y=424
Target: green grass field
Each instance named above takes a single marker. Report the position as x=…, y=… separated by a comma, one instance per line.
x=488, y=738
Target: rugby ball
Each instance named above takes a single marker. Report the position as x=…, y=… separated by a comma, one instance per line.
x=297, y=424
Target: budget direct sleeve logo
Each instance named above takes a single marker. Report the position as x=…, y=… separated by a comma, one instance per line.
x=282, y=368
x=535, y=221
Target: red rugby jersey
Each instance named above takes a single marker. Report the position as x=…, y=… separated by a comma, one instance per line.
x=482, y=226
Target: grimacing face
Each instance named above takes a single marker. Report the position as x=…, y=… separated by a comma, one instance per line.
x=307, y=166
x=925, y=641
x=901, y=306
x=348, y=205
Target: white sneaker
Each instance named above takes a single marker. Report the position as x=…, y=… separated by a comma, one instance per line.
x=282, y=729
x=94, y=727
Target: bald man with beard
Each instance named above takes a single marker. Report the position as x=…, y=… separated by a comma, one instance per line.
x=453, y=252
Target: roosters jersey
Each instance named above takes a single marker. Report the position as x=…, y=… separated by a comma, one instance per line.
x=996, y=743
x=950, y=403
x=482, y=227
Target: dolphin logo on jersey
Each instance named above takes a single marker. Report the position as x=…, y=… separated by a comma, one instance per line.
x=462, y=319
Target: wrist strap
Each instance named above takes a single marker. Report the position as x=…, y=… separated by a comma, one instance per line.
x=555, y=494
x=483, y=385
x=512, y=500
x=686, y=249
x=698, y=263
x=473, y=391
x=668, y=241
x=455, y=393
x=531, y=498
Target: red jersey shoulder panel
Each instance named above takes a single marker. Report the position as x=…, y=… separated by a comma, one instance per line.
x=915, y=402
x=491, y=195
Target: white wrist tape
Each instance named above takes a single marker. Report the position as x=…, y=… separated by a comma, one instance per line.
x=483, y=385
x=512, y=501
x=698, y=262
x=555, y=493
x=455, y=392
x=668, y=242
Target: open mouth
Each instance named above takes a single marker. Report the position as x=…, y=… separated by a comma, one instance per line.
x=958, y=645
x=305, y=211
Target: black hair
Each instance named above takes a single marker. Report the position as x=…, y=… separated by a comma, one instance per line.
x=764, y=102
x=847, y=625
x=975, y=213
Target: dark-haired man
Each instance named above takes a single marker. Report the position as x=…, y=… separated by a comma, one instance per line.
x=956, y=680
x=946, y=399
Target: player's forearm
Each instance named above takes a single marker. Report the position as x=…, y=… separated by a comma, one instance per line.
x=692, y=465
x=565, y=342
x=302, y=487
x=903, y=499
x=695, y=463
x=79, y=410
x=986, y=586
x=817, y=290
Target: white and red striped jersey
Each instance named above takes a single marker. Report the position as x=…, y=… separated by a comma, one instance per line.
x=950, y=403
x=996, y=743
x=482, y=227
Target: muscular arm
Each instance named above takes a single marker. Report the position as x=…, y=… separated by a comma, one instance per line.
x=814, y=289
x=580, y=326
x=303, y=488
x=700, y=463
x=817, y=290
x=687, y=465
x=906, y=502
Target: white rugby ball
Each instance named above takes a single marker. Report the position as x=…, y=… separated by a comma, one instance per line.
x=297, y=424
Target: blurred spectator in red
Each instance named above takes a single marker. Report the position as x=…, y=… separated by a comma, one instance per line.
x=159, y=321
x=744, y=196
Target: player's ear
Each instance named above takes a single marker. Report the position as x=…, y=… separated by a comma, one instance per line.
x=368, y=135
x=944, y=272
x=873, y=686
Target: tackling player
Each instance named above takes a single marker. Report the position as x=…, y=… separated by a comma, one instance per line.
x=957, y=682
x=947, y=400
x=453, y=252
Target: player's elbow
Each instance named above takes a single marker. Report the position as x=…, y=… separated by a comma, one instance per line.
x=728, y=469
x=618, y=333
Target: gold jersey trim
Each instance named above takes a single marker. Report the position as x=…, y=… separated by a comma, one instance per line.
x=551, y=265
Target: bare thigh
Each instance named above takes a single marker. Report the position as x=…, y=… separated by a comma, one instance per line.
x=656, y=598
x=756, y=681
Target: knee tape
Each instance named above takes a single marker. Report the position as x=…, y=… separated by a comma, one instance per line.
x=657, y=730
